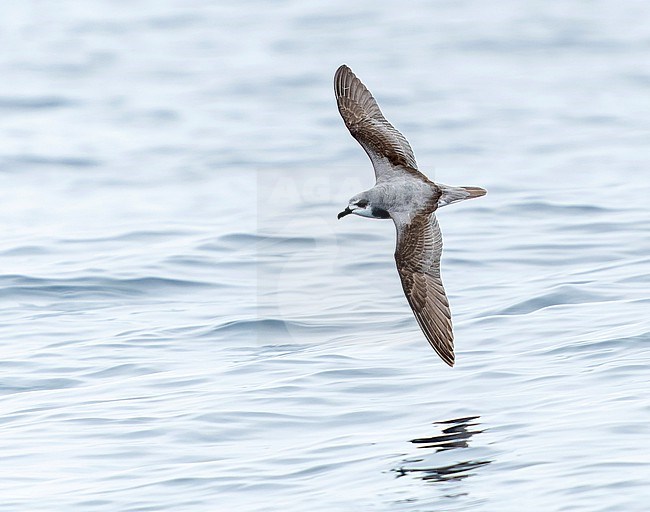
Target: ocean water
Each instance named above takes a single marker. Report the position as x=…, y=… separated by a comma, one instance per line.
x=185, y=325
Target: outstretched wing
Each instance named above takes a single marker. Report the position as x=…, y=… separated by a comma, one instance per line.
x=419, y=246
x=386, y=147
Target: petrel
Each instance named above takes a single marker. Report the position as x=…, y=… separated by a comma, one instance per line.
x=409, y=198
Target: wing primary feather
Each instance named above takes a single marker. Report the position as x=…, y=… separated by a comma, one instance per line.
x=419, y=246
x=387, y=148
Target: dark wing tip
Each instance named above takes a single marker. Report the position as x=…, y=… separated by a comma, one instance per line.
x=340, y=72
x=433, y=316
x=450, y=360
x=344, y=81
x=348, y=85
x=343, y=69
x=447, y=356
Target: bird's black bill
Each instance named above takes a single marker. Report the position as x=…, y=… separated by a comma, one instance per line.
x=345, y=212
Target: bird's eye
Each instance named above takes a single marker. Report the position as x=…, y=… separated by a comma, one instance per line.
x=362, y=203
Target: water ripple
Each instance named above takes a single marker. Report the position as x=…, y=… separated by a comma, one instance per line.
x=35, y=103
x=22, y=287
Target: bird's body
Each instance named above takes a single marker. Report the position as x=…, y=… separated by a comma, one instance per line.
x=409, y=198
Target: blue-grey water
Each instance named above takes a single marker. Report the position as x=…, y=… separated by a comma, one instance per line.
x=184, y=324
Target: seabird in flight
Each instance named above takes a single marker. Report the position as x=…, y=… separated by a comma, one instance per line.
x=407, y=196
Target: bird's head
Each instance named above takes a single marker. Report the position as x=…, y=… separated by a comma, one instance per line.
x=359, y=205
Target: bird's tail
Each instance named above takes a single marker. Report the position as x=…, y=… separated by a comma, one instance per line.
x=454, y=194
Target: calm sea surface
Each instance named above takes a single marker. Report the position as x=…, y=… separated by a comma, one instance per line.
x=184, y=324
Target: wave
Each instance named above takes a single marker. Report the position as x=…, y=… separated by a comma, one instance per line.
x=17, y=103
x=21, y=287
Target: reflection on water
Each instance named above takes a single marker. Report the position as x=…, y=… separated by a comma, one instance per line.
x=455, y=434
